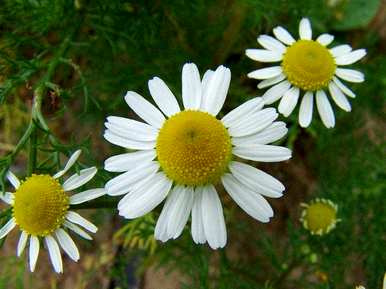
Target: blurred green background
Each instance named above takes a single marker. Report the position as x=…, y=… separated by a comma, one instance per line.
x=108, y=47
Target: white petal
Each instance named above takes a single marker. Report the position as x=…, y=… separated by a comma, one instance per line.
x=7, y=228
x=127, y=143
x=161, y=228
x=131, y=129
x=163, y=97
x=248, y=107
x=67, y=244
x=262, y=153
x=265, y=73
x=270, y=134
x=191, y=86
x=33, y=252
x=7, y=197
x=283, y=35
x=254, y=122
x=252, y=203
x=79, y=220
x=306, y=108
x=325, y=39
x=213, y=218
x=13, y=179
x=350, y=75
x=289, y=101
x=338, y=96
x=347, y=91
x=270, y=43
x=87, y=196
x=144, y=182
x=276, y=92
x=144, y=109
x=305, y=31
x=340, y=50
x=77, y=230
x=325, y=110
x=22, y=243
x=351, y=57
x=271, y=81
x=263, y=55
x=71, y=161
x=145, y=199
x=206, y=80
x=54, y=252
x=129, y=161
x=257, y=180
x=124, y=182
x=216, y=92
x=197, y=230
x=179, y=211
x=78, y=180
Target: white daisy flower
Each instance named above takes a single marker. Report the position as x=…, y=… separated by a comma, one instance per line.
x=182, y=154
x=306, y=65
x=41, y=210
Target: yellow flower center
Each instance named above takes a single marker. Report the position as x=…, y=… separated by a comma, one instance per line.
x=308, y=65
x=320, y=216
x=40, y=205
x=194, y=148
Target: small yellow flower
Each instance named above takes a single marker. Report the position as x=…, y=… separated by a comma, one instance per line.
x=319, y=216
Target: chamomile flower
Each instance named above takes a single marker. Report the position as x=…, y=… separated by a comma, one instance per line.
x=182, y=154
x=41, y=210
x=319, y=216
x=306, y=65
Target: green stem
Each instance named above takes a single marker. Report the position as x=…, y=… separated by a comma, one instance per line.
x=32, y=153
x=36, y=114
x=22, y=142
x=41, y=89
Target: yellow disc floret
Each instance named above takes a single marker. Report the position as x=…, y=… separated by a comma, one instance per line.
x=319, y=217
x=194, y=148
x=40, y=205
x=308, y=65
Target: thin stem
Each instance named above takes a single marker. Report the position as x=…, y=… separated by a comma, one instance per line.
x=32, y=153
x=36, y=115
x=41, y=89
x=21, y=142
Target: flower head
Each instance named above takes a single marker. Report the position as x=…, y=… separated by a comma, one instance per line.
x=41, y=210
x=319, y=216
x=306, y=65
x=180, y=155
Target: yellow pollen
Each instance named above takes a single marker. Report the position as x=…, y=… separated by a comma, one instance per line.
x=40, y=205
x=319, y=217
x=194, y=148
x=308, y=65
